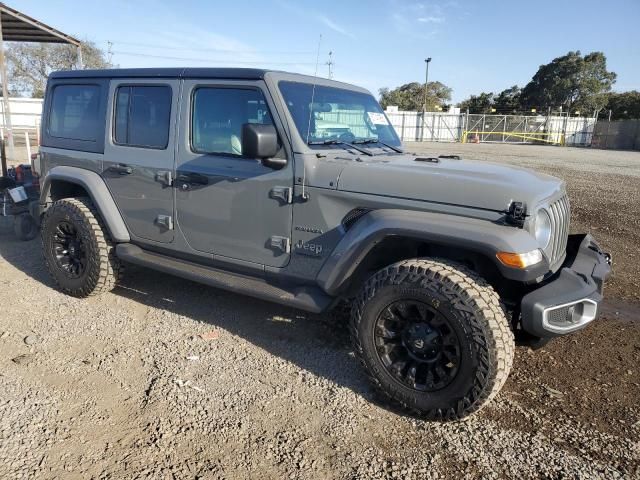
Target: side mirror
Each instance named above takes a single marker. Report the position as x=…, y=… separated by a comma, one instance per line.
x=261, y=141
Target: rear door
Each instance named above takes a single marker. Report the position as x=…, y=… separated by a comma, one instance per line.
x=139, y=154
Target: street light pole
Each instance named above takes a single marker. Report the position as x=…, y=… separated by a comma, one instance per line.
x=426, y=82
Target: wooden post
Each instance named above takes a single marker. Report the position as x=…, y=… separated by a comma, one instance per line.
x=5, y=95
x=79, y=61
x=28, y=144
x=3, y=158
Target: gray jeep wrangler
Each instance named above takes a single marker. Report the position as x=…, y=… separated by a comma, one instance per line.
x=296, y=190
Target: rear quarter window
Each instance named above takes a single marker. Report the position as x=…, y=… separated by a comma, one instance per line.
x=75, y=112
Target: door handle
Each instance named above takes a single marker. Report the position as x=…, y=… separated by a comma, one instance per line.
x=121, y=168
x=192, y=179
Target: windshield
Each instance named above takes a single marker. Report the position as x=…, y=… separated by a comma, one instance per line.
x=336, y=114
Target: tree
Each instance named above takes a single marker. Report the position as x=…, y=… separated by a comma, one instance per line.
x=508, y=100
x=573, y=82
x=624, y=105
x=481, y=103
x=410, y=97
x=29, y=64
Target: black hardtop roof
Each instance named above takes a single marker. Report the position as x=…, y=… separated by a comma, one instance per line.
x=226, y=73
x=205, y=73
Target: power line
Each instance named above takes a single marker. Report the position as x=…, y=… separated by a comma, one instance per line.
x=219, y=50
x=209, y=60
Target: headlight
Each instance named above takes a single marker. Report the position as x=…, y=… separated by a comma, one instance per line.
x=543, y=228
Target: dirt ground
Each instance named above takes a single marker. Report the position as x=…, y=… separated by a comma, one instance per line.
x=125, y=386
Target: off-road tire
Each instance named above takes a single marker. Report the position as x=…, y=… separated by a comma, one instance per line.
x=25, y=227
x=103, y=268
x=476, y=315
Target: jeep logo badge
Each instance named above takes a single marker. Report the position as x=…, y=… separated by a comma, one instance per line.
x=307, y=248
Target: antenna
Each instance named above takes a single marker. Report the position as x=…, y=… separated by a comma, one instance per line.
x=313, y=94
x=109, y=52
x=330, y=65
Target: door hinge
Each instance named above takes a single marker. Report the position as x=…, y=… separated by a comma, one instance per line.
x=165, y=221
x=164, y=177
x=281, y=243
x=284, y=194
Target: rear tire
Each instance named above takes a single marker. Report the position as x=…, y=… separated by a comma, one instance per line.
x=78, y=251
x=433, y=338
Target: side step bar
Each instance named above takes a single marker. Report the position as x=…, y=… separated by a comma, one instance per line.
x=305, y=298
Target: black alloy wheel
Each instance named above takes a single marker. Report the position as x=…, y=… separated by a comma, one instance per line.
x=417, y=345
x=68, y=249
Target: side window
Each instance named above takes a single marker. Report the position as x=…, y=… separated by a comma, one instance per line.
x=74, y=112
x=218, y=114
x=142, y=116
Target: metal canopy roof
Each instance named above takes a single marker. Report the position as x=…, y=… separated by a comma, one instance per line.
x=15, y=26
x=18, y=27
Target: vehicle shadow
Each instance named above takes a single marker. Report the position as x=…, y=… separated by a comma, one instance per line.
x=318, y=344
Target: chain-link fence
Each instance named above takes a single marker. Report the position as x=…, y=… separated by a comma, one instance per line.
x=463, y=127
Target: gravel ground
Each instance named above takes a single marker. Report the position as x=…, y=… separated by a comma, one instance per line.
x=164, y=378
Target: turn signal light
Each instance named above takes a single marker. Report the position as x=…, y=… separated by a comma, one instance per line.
x=520, y=260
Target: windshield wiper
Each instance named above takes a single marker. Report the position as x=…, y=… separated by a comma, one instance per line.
x=333, y=141
x=375, y=140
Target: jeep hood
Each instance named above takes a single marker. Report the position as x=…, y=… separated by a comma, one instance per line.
x=469, y=183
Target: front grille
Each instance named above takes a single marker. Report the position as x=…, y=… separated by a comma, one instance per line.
x=560, y=214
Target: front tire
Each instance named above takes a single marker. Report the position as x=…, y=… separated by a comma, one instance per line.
x=433, y=338
x=78, y=251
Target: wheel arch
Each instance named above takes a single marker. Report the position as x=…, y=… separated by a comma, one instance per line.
x=383, y=237
x=395, y=248
x=68, y=182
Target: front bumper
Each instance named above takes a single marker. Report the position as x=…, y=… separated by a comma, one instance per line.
x=570, y=299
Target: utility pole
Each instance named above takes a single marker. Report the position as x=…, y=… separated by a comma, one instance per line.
x=427, y=61
x=330, y=65
x=109, y=51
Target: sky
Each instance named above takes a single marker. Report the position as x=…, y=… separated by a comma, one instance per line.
x=474, y=45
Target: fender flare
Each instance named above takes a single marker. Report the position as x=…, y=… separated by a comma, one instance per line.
x=480, y=236
x=97, y=190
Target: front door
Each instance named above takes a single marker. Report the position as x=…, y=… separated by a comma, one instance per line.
x=228, y=204
x=139, y=155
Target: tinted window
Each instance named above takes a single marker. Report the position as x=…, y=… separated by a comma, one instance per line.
x=74, y=112
x=142, y=116
x=218, y=116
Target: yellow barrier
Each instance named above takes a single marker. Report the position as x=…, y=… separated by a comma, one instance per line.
x=538, y=137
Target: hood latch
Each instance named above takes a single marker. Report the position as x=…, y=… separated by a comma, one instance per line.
x=516, y=214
